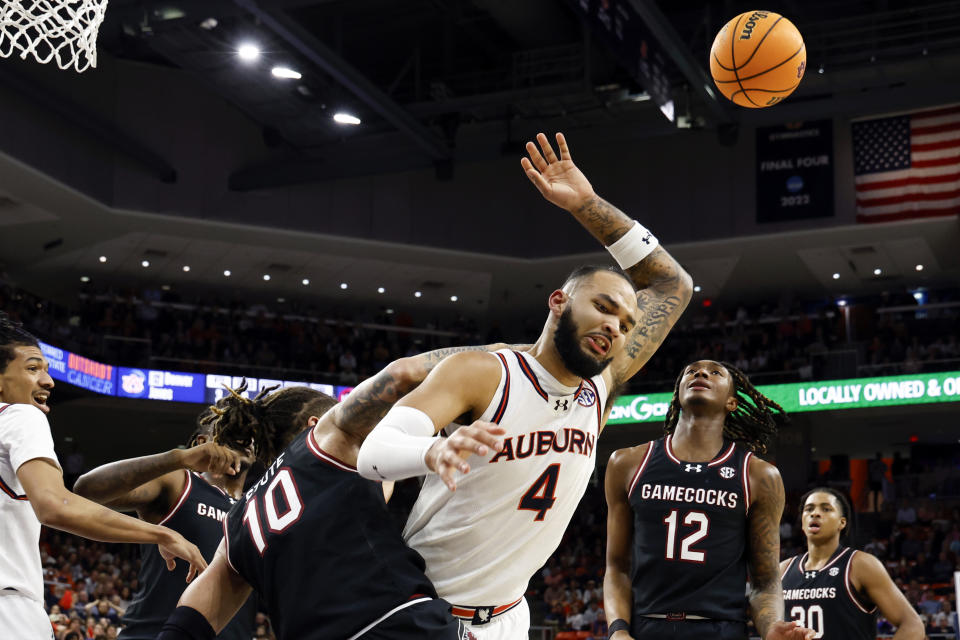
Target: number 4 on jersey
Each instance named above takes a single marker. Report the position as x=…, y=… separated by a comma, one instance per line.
x=540, y=496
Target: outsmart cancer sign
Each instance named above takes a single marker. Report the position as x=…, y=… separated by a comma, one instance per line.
x=856, y=393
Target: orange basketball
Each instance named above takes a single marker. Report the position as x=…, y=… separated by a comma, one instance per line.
x=758, y=59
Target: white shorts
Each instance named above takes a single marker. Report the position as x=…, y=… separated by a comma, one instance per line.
x=512, y=625
x=26, y=615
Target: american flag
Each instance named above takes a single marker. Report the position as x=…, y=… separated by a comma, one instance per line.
x=907, y=166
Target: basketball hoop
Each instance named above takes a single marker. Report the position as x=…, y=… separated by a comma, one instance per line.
x=60, y=30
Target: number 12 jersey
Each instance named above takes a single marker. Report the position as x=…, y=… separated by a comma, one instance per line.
x=690, y=533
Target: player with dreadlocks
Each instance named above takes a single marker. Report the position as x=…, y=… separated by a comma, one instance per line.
x=695, y=509
x=32, y=492
x=835, y=590
x=312, y=537
x=189, y=490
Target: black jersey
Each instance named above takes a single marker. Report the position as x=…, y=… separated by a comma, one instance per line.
x=316, y=541
x=824, y=600
x=690, y=533
x=198, y=516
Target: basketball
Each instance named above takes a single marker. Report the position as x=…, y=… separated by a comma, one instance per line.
x=758, y=59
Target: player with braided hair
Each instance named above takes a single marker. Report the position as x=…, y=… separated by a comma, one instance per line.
x=690, y=512
x=755, y=420
x=835, y=590
x=32, y=491
x=312, y=516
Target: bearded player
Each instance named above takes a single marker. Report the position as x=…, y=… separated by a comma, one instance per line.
x=484, y=534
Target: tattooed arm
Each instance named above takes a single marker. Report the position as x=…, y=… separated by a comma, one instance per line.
x=366, y=405
x=763, y=547
x=663, y=287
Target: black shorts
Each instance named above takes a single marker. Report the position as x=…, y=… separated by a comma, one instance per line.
x=660, y=629
x=427, y=620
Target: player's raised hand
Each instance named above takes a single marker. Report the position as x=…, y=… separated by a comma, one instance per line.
x=214, y=458
x=558, y=179
x=178, y=547
x=789, y=631
x=449, y=455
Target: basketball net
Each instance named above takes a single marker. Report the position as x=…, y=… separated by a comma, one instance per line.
x=64, y=31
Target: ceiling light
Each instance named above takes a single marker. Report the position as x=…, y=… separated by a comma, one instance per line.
x=919, y=267
x=84, y=278
x=343, y=285
x=877, y=271
x=266, y=276
x=145, y=264
x=820, y=69
x=417, y=294
x=453, y=298
x=305, y=281
x=248, y=52
x=696, y=288
x=186, y=268
x=345, y=118
x=286, y=73
x=281, y=300
x=836, y=276
x=226, y=272
x=165, y=287
x=209, y=24
x=841, y=303
x=918, y=296
x=380, y=289
x=389, y=311
x=103, y=258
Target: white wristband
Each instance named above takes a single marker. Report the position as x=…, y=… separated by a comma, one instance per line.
x=397, y=447
x=634, y=246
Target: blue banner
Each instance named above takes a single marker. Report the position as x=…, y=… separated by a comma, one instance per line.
x=152, y=384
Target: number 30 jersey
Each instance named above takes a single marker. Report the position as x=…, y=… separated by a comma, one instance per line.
x=690, y=533
x=315, y=540
x=483, y=541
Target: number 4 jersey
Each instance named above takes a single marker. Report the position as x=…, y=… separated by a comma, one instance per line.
x=824, y=599
x=690, y=533
x=483, y=541
x=316, y=541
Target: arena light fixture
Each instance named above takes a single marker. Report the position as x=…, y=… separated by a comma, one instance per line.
x=345, y=118
x=836, y=276
x=266, y=276
x=343, y=285
x=281, y=300
x=248, y=52
x=186, y=268
x=103, y=258
x=305, y=281
x=417, y=294
x=841, y=302
x=165, y=287
x=380, y=290
x=453, y=298
x=877, y=271
x=696, y=288
x=145, y=263
x=919, y=267
x=286, y=73
x=84, y=278
x=226, y=273
x=389, y=311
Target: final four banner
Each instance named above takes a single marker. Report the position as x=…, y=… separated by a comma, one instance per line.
x=795, y=171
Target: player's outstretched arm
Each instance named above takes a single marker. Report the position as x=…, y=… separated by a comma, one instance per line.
x=150, y=485
x=763, y=544
x=869, y=576
x=402, y=444
x=59, y=508
x=617, y=589
x=663, y=287
x=216, y=596
x=366, y=405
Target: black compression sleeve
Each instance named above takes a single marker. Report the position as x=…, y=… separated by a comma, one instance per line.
x=186, y=623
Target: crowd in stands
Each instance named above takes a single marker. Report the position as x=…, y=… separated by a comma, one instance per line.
x=156, y=329
x=89, y=585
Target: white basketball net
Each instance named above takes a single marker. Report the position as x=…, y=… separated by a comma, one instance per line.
x=60, y=30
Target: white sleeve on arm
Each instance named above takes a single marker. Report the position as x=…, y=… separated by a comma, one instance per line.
x=397, y=447
x=26, y=436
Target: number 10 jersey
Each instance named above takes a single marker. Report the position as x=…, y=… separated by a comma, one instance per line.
x=690, y=533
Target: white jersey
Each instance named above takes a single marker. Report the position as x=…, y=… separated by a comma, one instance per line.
x=24, y=436
x=484, y=541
